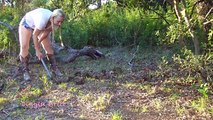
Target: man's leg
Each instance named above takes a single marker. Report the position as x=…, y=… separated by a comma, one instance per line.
x=24, y=39
x=50, y=56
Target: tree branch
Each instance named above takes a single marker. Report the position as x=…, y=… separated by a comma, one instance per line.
x=207, y=22
x=194, y=7
x=11, y=28
x=208, y=12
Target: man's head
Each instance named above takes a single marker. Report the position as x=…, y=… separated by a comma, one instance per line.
x=57, y=17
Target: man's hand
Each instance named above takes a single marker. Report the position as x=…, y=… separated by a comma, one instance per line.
x=39, y=54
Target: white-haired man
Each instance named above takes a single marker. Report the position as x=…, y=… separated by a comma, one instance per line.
x=38, y=24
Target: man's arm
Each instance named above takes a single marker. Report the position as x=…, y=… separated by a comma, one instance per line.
x=43, y=35
x=37, y=45
x=36, y=32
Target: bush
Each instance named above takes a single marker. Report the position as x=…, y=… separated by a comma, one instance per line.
x=111, y=25
x=188, y=68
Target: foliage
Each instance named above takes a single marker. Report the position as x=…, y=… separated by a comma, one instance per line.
x=188, y=68
x=7, y=38
x=4, y=38
x=113, y=26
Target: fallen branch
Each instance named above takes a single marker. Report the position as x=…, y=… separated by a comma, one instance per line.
x=133, y=57
x=72, y=54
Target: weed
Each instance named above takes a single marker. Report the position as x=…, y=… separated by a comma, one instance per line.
x=149, y=89
x=99, y=102
x=28, y=118
x=180, y=110
x=82, y=116
x=211, y=110
x=140, y=109
x=157, y=103
x=200, y=104
x=203, y=90
x=30, y=94
x=174, y=97
x=40, y=117
x=102, y=102
x=73, y=90
x=3, y=101
x=63, y=86
x=46, y=83
x=117, y=116
x=144, y=109
x=130, y=85
x=18, y=112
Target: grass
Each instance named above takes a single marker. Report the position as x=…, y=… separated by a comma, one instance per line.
x=120, y=96
x=3, y=101
x=117, y=116
x=30, y=94
x=157, y=104
x=180, y=110
x=63, y=86
x=200, y=104
x=102, y=102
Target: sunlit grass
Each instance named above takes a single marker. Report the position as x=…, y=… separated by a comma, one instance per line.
x=130, y=85
x=211, y=110
x=82, y=116
x=73, y=90
x=47, y=84
x=174, y=96
x=180, y=110
x=117, y=116
x=149, y=89
x=140, y=108
x=30, y=94
x=200, y=104
x=3, y=101
x=63, y=86
x=96, y=102
x=102, y=101
x=18, y=112
x=157, y=104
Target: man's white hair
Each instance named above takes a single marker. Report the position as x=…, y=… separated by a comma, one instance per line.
x=58, y=12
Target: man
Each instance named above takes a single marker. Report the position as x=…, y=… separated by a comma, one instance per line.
x=38, y=24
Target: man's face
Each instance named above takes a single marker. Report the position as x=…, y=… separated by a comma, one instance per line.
x=58, y=20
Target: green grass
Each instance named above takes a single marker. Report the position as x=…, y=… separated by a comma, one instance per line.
x=117, y=116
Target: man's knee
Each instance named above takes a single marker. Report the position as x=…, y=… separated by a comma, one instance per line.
x=25, y=47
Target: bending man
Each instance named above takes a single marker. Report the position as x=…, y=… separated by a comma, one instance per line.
x=38, y=24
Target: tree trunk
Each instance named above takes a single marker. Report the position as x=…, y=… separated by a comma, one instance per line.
x=179, y=17
x=183, y=15
x=72, y=54
x=191, y=31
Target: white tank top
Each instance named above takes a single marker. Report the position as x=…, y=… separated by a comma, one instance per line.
x=38, y=18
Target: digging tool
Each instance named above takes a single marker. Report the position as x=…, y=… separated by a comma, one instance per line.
x=45, y=67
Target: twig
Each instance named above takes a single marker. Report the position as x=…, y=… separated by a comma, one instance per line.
x=134, y=55
x=208, y=12
x=207, y=22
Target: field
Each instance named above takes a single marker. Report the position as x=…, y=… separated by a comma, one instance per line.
x=108, y=88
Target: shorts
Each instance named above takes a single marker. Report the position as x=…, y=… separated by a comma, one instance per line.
x=24, y=23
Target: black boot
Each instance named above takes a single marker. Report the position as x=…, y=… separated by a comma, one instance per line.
x=25, y=69
x=54, y=67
